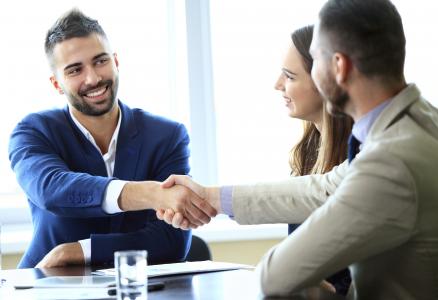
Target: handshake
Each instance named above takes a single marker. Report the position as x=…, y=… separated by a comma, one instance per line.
x=179, y=201
x=194, y=207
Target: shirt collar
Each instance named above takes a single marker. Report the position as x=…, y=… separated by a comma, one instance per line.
x=89, y=137
x=363, y=125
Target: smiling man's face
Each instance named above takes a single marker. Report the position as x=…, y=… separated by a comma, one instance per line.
x=86, y=72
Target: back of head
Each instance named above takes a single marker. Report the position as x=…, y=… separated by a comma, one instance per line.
x=370, y=32
x=72, y=24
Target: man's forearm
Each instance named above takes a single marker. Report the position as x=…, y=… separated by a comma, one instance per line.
x=139, y=195
x=178, y=198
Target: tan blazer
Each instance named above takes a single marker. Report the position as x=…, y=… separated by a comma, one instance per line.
x=378, y=215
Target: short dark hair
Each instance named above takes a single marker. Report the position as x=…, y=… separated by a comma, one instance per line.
x=370, y=32
x=72, y=24
x=302, y=38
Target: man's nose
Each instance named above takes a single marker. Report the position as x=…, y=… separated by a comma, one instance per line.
x=92, y=77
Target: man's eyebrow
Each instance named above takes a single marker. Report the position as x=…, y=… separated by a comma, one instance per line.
x=79, y=64
x=72, y=66
x=100, y=55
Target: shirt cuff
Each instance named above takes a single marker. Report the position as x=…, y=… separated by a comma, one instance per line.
x=110, y=204
x=86, y=249
x=226, y=194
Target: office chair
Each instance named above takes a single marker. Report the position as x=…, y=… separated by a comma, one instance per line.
x=199, y=250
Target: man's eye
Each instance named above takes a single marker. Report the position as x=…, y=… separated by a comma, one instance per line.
x=73, y=71
x=101, y=61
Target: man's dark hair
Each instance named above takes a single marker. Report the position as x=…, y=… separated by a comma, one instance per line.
x=370, y=32
x=71, y=25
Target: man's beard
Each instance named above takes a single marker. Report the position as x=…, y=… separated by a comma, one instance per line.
x=79, y=103
x=335, y=96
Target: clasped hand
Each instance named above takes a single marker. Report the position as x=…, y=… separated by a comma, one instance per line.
x=195, y=212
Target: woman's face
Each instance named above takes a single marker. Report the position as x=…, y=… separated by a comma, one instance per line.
x=299, y=92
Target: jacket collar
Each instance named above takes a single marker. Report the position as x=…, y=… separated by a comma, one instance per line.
x=398, y=105
x=127, y=125
x=128, y=147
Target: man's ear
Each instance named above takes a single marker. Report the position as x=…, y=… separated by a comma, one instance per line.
x=341, y=65
x=56, y=84
x=116, y=60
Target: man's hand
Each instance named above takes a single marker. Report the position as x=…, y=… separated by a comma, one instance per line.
x=327, y=286
x=63, y=255
x=180, y=199
x=179, y=220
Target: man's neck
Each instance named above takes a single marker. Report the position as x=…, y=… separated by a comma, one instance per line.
x=100, y=127
x=368, y=94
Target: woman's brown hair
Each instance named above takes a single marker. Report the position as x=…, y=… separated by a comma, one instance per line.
x=318, y=152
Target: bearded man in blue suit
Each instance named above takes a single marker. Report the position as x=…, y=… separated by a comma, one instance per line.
x=91, y=170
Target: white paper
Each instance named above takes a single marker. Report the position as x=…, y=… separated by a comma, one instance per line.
x=71, y=282
x=63, y=294
x=55, y=293
x=183, y=268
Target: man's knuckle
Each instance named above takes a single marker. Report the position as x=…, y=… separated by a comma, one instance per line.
x=197, y=214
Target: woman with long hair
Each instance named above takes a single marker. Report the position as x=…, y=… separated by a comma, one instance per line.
x=323, y=144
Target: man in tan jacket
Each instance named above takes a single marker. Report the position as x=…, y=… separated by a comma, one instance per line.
x=375, y=213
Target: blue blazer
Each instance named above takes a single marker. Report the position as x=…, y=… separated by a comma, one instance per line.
x=64, y=178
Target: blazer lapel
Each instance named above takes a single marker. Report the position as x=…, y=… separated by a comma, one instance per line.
x=392, y=112
x=92, y=159
x=127, y=154
x=128, y=148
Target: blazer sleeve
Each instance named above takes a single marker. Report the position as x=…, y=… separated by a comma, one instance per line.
x=175, y=159
x=372, y=211
x=288, y=201
x=163, y=242
x=47, y=180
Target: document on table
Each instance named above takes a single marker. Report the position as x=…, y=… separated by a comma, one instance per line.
x=183, y=268
x=60, y=288
x=70, y=282
x=57, y=294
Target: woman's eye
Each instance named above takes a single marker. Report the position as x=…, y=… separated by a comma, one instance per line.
x=289, y=77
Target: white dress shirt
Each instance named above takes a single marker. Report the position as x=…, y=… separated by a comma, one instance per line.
x=110, y=202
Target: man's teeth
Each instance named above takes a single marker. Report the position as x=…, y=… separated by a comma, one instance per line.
x=96, y=93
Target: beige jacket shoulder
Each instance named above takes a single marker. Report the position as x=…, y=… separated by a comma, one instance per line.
x=377, y=215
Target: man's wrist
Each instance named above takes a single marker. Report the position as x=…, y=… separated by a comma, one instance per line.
x=214, y=199
x=71, y=253
x=138, y=195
